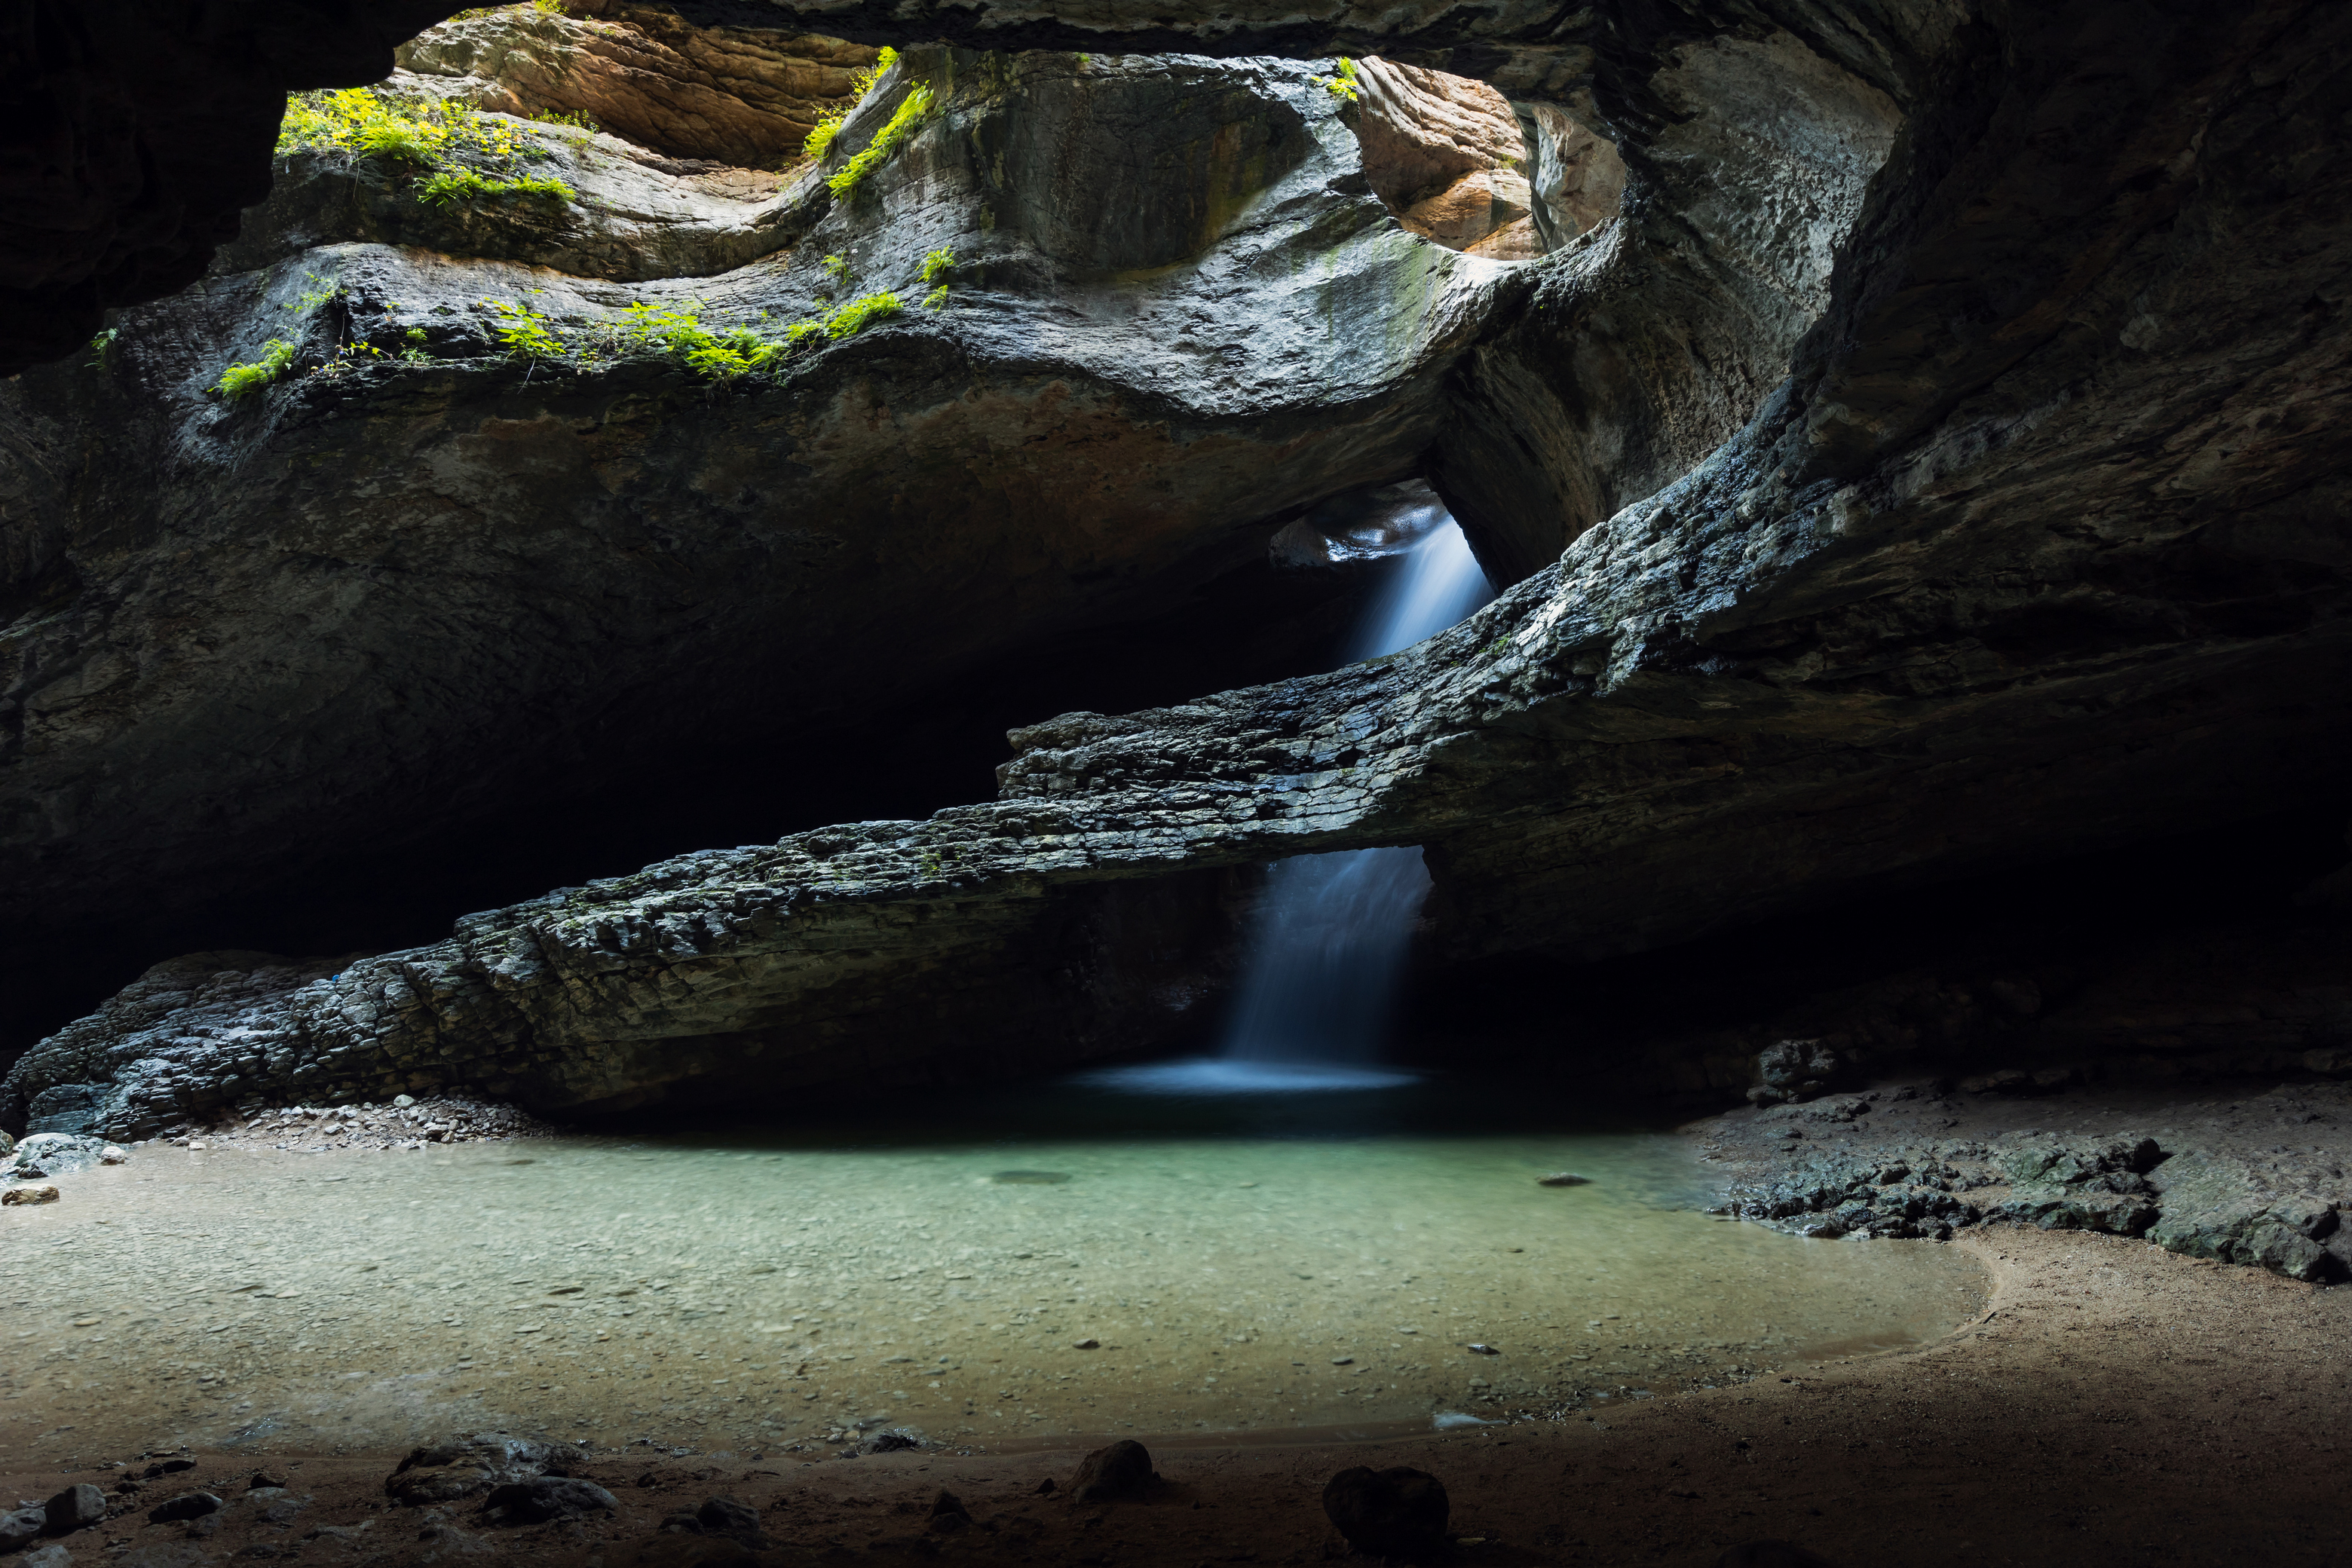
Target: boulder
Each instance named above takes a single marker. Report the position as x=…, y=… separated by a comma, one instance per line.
x=76, y=1508
x=1122, y=1472
x=20, y=1528
x=1396, y=1512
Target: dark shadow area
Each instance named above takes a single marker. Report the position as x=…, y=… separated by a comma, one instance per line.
x=1996, y=962
x=1264, y=623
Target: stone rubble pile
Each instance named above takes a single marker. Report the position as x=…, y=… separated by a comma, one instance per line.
x=406, y=1122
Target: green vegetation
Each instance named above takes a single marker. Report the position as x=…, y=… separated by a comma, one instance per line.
x=459, y=185
x=447, y=152
x=245, y=380
x=415, y=353
x=861, y=82
x=527, y=333
x=1343, y=85
x=856, y=316
x=937, y=265
x=837, y=267
x=576, y=119
x=101, y=350
x=911, y=113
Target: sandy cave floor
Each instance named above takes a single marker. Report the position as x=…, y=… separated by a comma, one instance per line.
x=2111, y=1402
x=2116, y=1403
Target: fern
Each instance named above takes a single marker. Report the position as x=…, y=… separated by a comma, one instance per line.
x=245, y=380
x=912, y=110
x=856, y=316
x=861, y=82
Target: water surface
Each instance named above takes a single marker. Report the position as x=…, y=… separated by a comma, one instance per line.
x=1067, y=1259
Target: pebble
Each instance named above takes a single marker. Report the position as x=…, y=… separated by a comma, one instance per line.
x=30, y=1195
x=1563, y=1179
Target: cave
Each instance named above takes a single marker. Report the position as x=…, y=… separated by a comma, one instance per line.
x=1017, y=742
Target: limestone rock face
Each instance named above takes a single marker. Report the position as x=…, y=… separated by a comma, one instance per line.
x=443, y=570
x=143, y=135
x=743, y=97
x=1916, y=494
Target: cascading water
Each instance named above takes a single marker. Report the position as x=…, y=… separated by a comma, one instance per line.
x=1327, y=941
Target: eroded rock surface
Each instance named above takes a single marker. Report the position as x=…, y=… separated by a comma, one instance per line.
x=428, y=555
x=740, y=97
x=2256, y=1177
x=2031, y=544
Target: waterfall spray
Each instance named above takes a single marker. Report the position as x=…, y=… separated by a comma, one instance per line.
x=1327, y=941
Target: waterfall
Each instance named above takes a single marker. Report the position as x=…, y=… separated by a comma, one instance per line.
x=1327, y=941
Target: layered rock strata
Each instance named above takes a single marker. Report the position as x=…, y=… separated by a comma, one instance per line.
x=494, y=521
x=2035, y=546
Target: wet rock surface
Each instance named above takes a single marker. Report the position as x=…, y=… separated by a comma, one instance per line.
x=2259, y=1174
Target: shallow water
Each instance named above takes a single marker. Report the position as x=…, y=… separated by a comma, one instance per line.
x=1249, y=1263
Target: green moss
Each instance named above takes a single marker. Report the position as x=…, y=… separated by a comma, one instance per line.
x=1341, y=85
x=245, y=380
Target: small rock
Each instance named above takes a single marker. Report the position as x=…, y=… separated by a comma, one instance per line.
x=732, y=1518
x=265, y=1478
x=543, y=1497
x=187, y=1505
x=1396, y=1512
x=1045, y=1487
x=1087, y=1344
x=75, y=1508
x=53, y=1555
x=20, y=1529
x=947, y=1514
x=1343, y=1361
x=1482, y=1349
x=30, y=1195
x=170, y=1467
x=1563, y=1179
x=1119, y=1473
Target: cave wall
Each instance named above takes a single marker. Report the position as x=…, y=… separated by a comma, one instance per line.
x=426, y=579
x=2031, y=544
